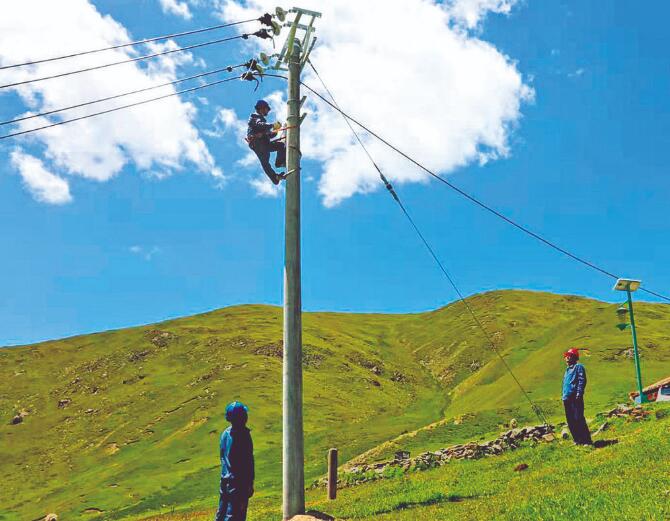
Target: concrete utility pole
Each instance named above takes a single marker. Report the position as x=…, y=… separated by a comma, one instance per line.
x=293, y=452
x=292, y=58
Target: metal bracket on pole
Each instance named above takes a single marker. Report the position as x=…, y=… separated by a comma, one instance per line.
x=307, y=39
x=302, y=117
x=302, y=101
x=307, y=53
x=313, y=14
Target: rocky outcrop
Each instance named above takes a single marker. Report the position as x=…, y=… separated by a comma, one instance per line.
x=402, y=461
x=625, y=411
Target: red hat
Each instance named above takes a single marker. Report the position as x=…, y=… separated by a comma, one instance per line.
x=572, y=352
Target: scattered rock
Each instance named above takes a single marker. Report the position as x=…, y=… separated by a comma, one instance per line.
x=401, y=455
x=19, y=417
x=565, y=434
x=89, y=411
x=398, y=377
x=51, y=517
x=112, y=448
x=313, y=516
x=136, y=356
x=634, y=413
x=513, y=423
x=271, y=350
x=93, y=510
x=160, y=338
x=64, y=402
x=520, y=467
x=509, y=440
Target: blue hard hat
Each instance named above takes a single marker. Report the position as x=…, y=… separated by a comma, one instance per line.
x=262, y=103
x=236, y=411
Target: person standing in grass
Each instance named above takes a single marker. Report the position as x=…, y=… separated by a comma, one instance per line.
x=574, y=385
x=237, y=465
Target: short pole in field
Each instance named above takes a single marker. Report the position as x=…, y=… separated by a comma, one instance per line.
x=332, y=473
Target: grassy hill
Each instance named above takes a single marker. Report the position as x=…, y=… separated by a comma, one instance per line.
x=123, y=424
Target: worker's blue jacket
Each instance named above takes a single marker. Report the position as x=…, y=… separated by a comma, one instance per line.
x=258, y=127
x=237, y=459
x=574, y=381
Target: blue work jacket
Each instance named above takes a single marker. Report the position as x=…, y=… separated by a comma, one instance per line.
x=237, y=458
x=574, y=381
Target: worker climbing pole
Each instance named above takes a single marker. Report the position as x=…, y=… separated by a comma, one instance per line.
x=292, y=58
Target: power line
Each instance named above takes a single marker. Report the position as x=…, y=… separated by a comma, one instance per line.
x=121, y=46
x=129, y=93
x=260, y=34
x=58, y=123
x=474, y=199
x=536, y=409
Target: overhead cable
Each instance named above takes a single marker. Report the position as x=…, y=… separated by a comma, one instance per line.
x=129, y=44
x=129, y=93
x=474, y=199
x=64, y=122
x=260, y=34
x=536, y=409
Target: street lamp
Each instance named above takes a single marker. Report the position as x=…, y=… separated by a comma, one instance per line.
x=629, y=286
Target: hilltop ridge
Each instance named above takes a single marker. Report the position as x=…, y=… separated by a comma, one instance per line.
x=130, y=418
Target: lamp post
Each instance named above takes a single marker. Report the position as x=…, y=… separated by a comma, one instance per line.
x=629, y=286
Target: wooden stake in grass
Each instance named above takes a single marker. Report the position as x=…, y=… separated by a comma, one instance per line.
x=332, y=473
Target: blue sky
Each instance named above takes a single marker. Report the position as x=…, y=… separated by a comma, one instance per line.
x=586, y=168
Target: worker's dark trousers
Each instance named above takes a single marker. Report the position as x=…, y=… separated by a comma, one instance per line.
x=233, y=504
x=263, y=148
x=574, y=414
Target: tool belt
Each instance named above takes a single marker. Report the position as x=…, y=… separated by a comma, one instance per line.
x=250, y=138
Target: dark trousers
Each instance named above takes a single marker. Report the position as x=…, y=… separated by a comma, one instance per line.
x=233, y=504
x=574, y=414
x=263, y=148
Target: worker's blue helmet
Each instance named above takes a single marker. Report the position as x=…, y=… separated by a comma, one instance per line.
x=237, y=412
x=262, y=103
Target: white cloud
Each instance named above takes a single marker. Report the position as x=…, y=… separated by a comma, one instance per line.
x=264, y=187
x=415, y=73
x=43, y=185
x=145, y=252
x=470, y=13
x=158, y=136
x=229, y=120
x=176, y=8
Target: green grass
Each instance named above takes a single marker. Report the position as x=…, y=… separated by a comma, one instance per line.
x=149, y=445
x=630, y=480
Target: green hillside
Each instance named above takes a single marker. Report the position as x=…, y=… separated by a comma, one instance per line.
x=140, y=409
